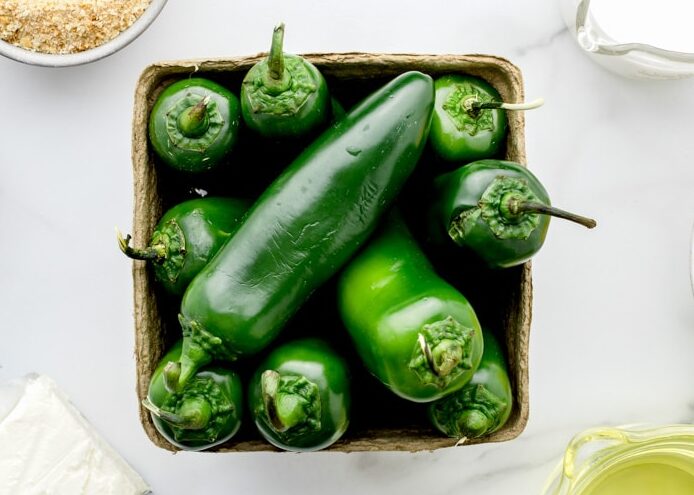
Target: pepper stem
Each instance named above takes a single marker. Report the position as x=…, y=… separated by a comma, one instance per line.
x=276, y=59
x=177, y=374
x=447, y=354
x=283, y=410
x=194, y=413
x=276, y=78
x=191, y=362
x=444, y=357
x=517, y=206
x=474, y=423
x=474, y=106
x=171, y=374
x=193, y=121
x=155, y=252
x=198, y=344
x=461, y=441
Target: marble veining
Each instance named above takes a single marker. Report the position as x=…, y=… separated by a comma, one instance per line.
x=543, y=43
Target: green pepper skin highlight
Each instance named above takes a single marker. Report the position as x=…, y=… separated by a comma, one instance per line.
x=482, y=406
x=300, y=396
x=390, y=299
x=306, y=225
x=186, y=238
x=284, y=96
x=482, y=206
x=207, y=412
x=458, y=134
x=194, y=124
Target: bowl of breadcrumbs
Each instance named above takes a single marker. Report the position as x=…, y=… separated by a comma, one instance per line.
x=59, y=33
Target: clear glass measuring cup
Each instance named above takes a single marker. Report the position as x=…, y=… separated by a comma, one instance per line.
x=635, y=38
x=627, y=461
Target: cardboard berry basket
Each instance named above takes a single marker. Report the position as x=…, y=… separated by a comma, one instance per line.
x=380, y=421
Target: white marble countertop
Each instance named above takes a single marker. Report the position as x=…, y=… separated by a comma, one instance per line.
x=613, y=314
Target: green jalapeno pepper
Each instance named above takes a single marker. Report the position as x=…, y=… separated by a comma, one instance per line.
x=205, y=413
x=194, y=124
x=497, y=209
x=416, y=333
x=299, y=397
x=469, y=121
x=305, y=226
x=484, y=404
x=186, y=238
x=284, y=95
x=459, y=131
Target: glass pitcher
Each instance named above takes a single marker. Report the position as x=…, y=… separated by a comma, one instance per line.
x=635, y=38
x=627, y=461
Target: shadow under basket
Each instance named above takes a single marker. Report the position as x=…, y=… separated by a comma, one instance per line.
x=380, y=421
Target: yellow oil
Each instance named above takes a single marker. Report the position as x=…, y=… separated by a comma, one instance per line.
x=655, y=476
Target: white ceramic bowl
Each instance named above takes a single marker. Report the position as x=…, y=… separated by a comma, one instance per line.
x=99, y=52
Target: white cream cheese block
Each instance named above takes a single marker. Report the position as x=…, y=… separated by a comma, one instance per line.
x=48, y=448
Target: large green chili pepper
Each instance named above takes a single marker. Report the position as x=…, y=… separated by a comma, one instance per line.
x=186, y=238
x=205, y=413
x=194, y=124
x=469, y=121
x=299, y=396
x=497, y=209
x=484, y=404
x=284, y=95
x=414, y=332
x=305, y=226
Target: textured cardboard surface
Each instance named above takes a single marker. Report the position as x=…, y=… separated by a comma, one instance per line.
x=515, y=293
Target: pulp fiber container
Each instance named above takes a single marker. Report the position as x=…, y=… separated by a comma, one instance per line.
x=380, y=421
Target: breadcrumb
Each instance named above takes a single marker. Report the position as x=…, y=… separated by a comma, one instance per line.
x=66, y=26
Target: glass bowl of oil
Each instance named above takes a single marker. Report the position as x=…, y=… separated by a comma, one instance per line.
x=630, y=460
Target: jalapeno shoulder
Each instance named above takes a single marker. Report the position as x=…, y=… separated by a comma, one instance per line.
x=205, y=413
x=484, y=404
x=194, y=124
x=186, y=238
x=284, y=95
x=461, y=130
x=497, y=209
x=300, y=396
